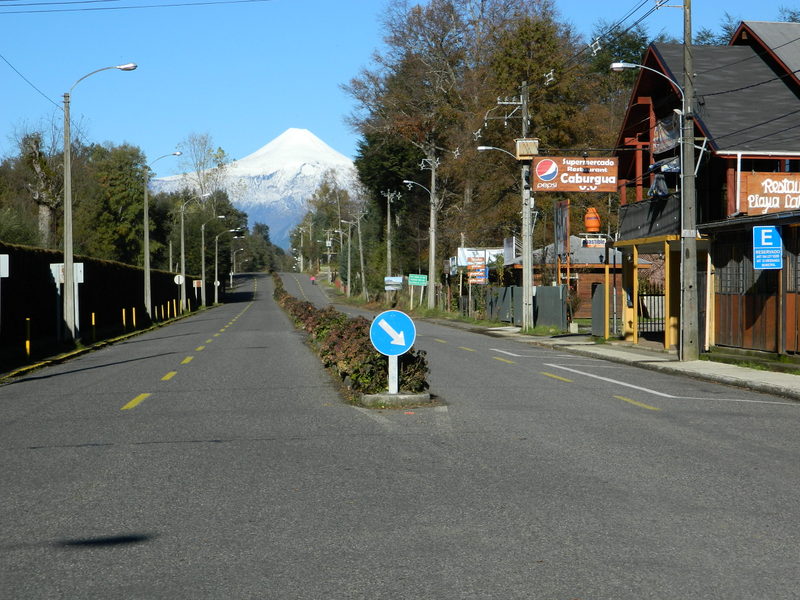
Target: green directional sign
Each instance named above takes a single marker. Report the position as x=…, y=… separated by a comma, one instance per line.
x=415, y=279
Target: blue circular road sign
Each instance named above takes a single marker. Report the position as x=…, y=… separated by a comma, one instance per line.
x=392, y=333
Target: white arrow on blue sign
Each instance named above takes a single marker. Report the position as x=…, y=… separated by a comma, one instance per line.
x=392, y=333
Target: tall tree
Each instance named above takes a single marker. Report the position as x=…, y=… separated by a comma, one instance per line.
x=109, y=218
x=206, y=168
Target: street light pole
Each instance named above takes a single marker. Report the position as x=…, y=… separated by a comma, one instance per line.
x=148, y=297
x=390, y=197
x=69, y=274
x=527, y=233
x=688, y=348
x=432, y=230
x=203, y=259
x=349, y=245
x=216, y=262
x=183, y=249
x=689, y=339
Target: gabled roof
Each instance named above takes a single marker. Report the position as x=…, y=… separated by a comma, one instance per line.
x=741, y=103
x=780, y=40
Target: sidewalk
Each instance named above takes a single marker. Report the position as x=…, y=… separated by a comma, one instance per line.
x=768, y=382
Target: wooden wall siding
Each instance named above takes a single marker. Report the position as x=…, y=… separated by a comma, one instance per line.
x=792, y=322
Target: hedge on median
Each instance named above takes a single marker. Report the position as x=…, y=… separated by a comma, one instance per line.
x=344, y=345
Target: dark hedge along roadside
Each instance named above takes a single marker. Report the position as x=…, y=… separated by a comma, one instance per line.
x=344, y=346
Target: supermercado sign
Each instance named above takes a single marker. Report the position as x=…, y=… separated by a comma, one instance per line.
x=762, y=193
x=574, y=174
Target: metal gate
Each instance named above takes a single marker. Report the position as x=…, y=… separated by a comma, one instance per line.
x=651, y=309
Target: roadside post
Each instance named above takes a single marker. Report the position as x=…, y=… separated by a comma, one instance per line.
x=392, y=333
x=3, y=273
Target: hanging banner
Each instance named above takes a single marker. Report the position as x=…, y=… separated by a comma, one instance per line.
x=575, y=174
x=666, y=134
x=763, y=193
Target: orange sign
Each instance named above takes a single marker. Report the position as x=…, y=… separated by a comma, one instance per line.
x=763, y=193
x=574, y=174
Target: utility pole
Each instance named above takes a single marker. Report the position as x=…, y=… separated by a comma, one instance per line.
x=521, y=105
x=689, y=342
x=361, y=256
x=390, y=197
x=527, y=233
x=432, y=163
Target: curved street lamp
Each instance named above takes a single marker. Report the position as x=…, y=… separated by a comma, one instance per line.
x=688, y=348
x=148, y=297
x=203, y=258
x=527, y=240
x=216, y=260
x=183, y=248
x=432, y=270
x=72, y=330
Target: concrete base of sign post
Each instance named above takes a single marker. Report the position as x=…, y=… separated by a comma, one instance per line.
x=399, y=399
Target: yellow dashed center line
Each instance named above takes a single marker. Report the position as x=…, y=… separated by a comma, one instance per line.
x=187, y=360
x=209, y=341
x=556, y=377
x=135, y=402
x=635, y=403
x=440, y=341
x=169, y=376
x=505, y=360
x=199, y=348
x=216, y=335
x=467, y=349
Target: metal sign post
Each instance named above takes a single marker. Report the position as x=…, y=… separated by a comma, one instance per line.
x=392, y=333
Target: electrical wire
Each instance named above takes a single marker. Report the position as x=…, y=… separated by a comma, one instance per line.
x=104, y=8
x=26, y=80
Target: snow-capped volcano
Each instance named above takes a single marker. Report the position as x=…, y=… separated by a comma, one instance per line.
x=274, y=183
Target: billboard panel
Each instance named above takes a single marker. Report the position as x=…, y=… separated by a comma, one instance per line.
x=574, y=174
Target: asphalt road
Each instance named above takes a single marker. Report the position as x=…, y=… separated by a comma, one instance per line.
x=214, y=459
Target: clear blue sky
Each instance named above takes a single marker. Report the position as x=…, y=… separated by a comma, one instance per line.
x=241, y=72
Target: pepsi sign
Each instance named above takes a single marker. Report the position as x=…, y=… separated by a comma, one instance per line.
x=546, y=169
x=575, y=174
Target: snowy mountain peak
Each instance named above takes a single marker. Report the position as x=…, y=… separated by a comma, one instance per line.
x=293, y=148
x=274, y=183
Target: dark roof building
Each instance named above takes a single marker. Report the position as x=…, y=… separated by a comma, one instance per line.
x=746, y=112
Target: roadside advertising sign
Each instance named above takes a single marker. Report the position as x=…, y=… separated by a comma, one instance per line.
x=574, y=174
x=476, y=270
x=764, y=193
x=392, y=284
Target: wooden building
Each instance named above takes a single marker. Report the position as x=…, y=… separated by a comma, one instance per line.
x=746, y=114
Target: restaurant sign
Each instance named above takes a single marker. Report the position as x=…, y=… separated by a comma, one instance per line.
x=574, y=174
x=764, y=193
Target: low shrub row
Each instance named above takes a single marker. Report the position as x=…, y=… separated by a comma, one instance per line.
x=344, y=346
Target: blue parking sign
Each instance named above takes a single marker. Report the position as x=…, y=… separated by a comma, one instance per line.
x=767, y=247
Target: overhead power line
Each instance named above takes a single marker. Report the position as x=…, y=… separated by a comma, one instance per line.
x=127, y=7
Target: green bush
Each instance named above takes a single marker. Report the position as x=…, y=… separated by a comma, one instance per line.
x=344, y=346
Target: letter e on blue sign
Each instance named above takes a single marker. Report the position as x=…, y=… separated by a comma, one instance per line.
x=767, y=247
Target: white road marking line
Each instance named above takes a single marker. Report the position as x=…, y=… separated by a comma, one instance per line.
x=539, y=355
x=378, y=418
x=442, y=417
x=665, y=395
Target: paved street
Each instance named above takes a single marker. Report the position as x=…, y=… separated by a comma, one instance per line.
x=214, y=459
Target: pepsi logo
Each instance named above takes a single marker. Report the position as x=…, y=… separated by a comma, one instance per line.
x=546, y=169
